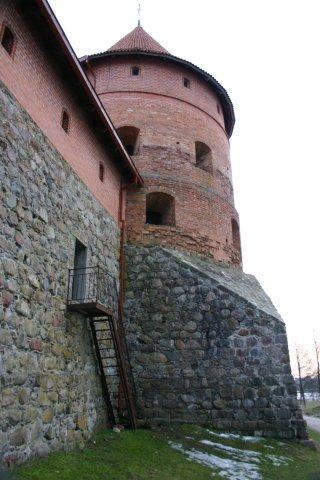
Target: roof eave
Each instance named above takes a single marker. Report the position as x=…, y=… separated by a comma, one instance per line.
x=76, y=67
x=223, y=95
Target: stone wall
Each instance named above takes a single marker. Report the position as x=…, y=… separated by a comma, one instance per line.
x=50, y=391
x=207, y=346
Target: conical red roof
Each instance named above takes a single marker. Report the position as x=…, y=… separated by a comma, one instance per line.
x=138, y=41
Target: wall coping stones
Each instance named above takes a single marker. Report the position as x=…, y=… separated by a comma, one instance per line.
x=233, y=278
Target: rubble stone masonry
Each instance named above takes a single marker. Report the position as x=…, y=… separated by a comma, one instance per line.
x=50, y=392
x=205, y=342
x=207, y=346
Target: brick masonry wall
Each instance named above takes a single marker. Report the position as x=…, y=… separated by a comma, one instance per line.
x=50, y=394
x=207, y=346
x=157, y=76
x=171, y=118
x=43, y=91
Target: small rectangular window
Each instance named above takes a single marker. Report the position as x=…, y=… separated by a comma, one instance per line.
x=101, y=172
x=186, y=82
x=135, y=71
x=7, y=40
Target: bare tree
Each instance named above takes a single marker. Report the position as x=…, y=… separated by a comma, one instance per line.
x=317, y=349
x=307, y=373
x=300, y=368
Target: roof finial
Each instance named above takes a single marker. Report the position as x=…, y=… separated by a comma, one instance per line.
x=139, y=13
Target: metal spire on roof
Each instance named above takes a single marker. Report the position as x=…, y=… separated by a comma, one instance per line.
x=139, y=14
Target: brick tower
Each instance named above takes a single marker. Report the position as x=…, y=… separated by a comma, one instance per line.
x=175, y=120
x=205, y=341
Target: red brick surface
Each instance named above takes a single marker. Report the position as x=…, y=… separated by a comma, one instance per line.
x=171, y=118
x=157, y=77
x=40, y=88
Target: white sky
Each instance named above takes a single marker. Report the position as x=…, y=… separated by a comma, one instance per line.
x=266, y=54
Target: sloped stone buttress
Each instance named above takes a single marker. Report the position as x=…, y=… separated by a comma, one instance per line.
x=207, y=346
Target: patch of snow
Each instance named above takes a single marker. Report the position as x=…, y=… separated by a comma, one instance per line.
x=234, y=463
x=251, y=455
x=230, y=469
x=250, y=439
x=248, y=455
x=234, y=436
x=277, y=461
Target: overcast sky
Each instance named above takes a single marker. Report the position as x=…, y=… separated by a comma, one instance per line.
x=266, y=54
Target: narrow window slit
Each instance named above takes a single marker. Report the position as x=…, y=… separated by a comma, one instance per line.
x=101, y=172
x=65, y=121
x=7, y=40
x=186, y=82
x=236, y=235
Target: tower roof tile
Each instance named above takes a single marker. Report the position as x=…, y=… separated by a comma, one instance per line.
x=138, y=40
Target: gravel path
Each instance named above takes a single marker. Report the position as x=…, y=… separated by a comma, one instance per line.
x=313, y=422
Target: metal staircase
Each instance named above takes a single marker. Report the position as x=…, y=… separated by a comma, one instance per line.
x=93, y=292
x=112, y=368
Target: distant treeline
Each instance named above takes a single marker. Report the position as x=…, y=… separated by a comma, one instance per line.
x=310, y=387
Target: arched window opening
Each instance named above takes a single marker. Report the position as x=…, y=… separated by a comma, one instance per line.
x=65, y=121
x=130, y=138
x=203, y=157
x=7, y=40
x=160, y=209
x=236, y=235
